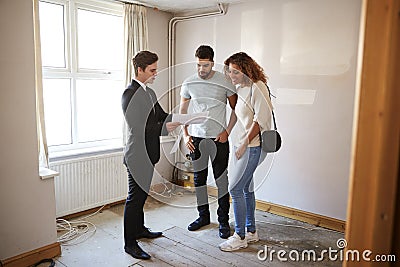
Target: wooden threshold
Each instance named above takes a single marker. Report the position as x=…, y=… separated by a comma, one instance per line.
x=34, y=256
x=300, y=215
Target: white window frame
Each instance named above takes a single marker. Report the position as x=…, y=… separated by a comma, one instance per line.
x=73, y=73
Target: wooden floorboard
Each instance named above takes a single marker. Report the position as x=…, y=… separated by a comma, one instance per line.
x=211, y=238
x=188, y=252
x=207, y=245
x=166, y=256
x=153, y=262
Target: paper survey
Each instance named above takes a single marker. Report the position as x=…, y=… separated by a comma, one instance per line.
x=186, y=119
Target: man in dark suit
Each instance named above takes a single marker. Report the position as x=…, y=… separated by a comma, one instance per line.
x=146, y=121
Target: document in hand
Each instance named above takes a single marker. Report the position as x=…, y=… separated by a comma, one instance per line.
x=194, y=118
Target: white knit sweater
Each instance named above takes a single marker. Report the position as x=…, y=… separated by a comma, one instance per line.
x=253, y=104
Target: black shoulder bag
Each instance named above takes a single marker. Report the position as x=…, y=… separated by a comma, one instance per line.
x=271, y=140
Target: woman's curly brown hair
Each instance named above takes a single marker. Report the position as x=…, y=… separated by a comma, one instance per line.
x=252, y=71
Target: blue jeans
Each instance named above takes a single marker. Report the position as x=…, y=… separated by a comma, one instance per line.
x=241, y=188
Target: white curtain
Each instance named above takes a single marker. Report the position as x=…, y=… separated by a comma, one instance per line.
x=136, y=37
x=41, y=133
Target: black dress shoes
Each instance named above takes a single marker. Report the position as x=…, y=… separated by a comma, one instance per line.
x=137, y=252
x=197, y=224
x=224, y=230
x=148, y=234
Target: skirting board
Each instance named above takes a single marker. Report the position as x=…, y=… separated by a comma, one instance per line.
x=34, y=256
x=303, y=216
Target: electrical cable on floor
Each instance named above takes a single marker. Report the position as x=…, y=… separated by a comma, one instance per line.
x=76, y=231
x=166, y=193
x=94, y=213
x=163, y=193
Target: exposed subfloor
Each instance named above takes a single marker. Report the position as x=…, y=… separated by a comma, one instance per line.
x=283, y=241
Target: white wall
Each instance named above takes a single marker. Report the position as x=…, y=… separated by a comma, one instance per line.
x=308, y=49
x=27, y=203
x=157, y=23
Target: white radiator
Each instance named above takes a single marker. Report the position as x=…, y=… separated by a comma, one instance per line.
x=89, y=182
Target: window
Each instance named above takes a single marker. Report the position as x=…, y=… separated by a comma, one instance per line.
x=82, y=55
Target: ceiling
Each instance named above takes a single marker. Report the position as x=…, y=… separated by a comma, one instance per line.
x=180, y=6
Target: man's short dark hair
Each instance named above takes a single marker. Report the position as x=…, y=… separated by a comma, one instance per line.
x=205, y=52
x=143, y=59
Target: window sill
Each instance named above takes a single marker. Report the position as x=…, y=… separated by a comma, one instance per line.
x=46, y=173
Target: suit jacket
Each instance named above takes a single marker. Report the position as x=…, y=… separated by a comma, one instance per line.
x=146, y=120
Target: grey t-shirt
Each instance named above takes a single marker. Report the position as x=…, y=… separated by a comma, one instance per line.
x=208, y=95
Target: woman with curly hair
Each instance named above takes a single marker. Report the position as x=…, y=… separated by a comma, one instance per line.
x=253, y=110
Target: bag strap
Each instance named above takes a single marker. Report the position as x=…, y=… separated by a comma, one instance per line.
x=269, y=92
x=273, y=114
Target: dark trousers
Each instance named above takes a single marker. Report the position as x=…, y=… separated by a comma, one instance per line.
x=206, y=148
x=137, y=194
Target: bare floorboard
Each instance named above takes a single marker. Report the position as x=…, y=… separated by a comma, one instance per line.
x=188, y=252
x=165, y=255
x=207, y=242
